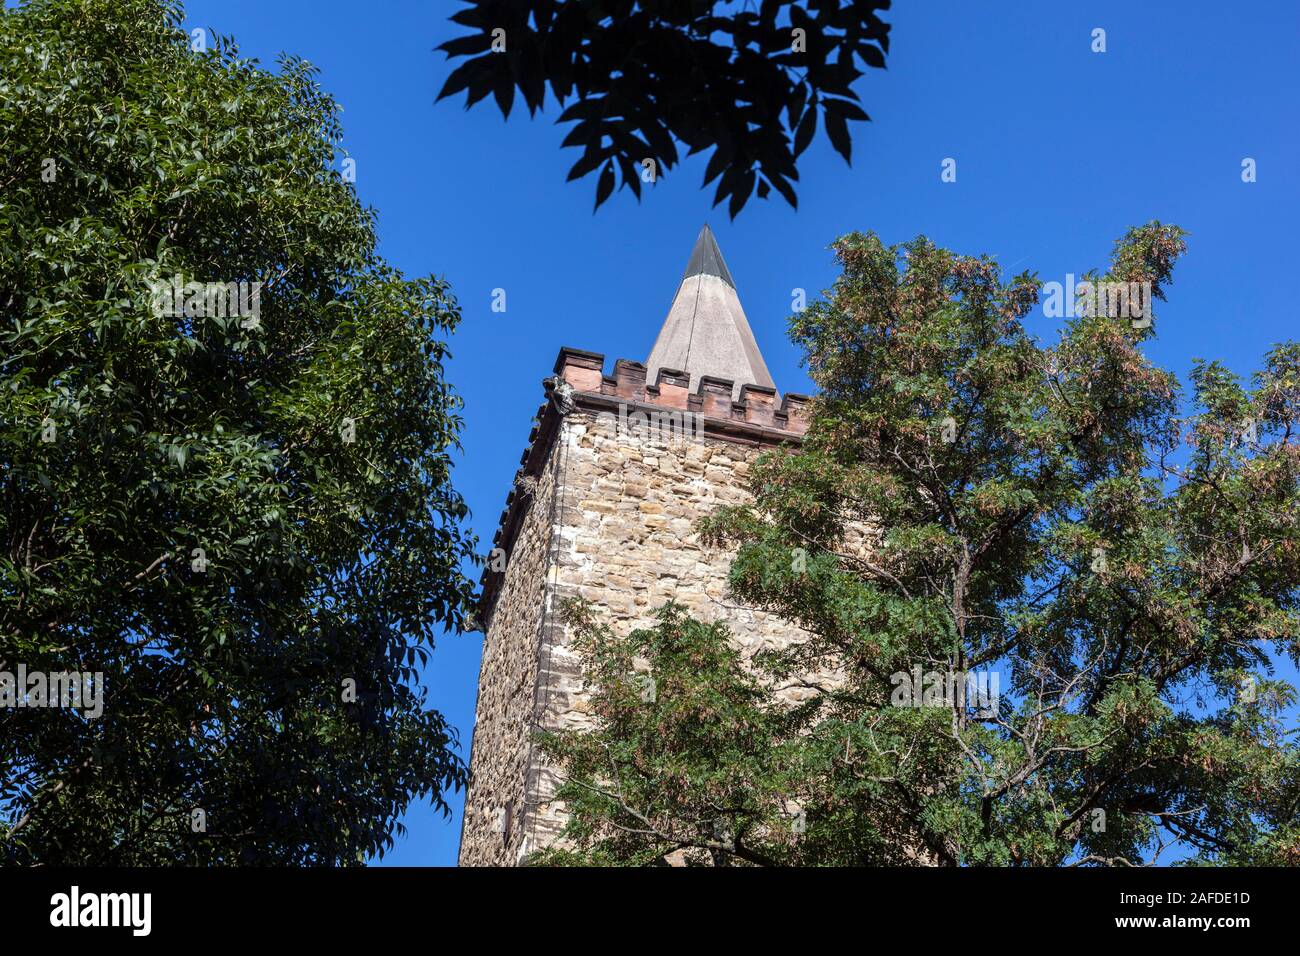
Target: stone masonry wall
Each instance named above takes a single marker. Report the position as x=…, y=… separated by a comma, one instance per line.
x=605, y=512
x=628, y=509
x=495, y=806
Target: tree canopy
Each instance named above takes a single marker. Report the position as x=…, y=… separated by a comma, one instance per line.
x=749, y=80
x=1121, y=557
x=225, y=440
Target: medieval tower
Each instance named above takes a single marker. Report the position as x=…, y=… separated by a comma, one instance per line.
x=617, y=470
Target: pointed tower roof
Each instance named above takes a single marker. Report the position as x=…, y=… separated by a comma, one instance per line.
x=706, y=332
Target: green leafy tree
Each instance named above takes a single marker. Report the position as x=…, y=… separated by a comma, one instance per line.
x=690, y=748
x=240, y=515
x=747, y=80
x=1124, y=559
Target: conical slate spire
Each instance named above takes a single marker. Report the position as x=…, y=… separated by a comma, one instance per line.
x=706, y=258
x=706, y=332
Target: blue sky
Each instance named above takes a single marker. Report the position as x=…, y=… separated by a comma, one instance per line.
x=1058, y=151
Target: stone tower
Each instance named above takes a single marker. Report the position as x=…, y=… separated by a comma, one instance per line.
x=617, y=470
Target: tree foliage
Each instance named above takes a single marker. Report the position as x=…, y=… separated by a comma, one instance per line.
x=232, y=518
x=1124, y=557
x=748, y=80
x=687, y=746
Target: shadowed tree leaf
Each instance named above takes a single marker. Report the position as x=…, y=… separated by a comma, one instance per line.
x=639, y=76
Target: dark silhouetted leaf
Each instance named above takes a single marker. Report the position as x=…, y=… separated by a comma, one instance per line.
x=647, y=75
x=807, y=127
x=605, y=186
x=838, y=131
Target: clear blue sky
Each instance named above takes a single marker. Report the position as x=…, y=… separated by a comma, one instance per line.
x=1058, y=150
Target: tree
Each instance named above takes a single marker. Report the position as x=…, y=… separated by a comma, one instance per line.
x=1125, y=564
x=231, y=502
x=687, y=749
x=645, y=75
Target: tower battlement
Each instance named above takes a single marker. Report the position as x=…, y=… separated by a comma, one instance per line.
x=712, y=397
x=617, y=471
x=755, y=419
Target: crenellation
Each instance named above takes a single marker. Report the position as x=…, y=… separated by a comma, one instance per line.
x=617, y=473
